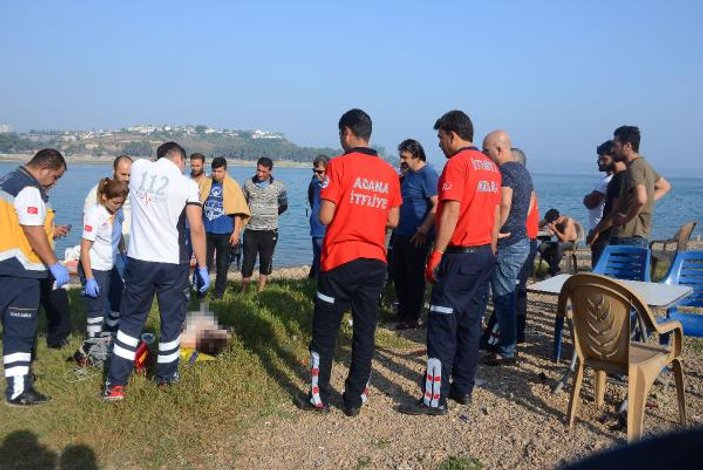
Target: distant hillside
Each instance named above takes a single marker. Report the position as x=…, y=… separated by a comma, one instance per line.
x=142, y=141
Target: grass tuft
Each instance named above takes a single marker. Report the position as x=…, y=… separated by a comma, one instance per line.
x=461, y=463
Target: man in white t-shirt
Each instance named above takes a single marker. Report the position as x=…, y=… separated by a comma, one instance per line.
x=162, y=200
x=595, y=200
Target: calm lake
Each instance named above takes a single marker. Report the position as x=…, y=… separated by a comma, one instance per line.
x=564, y=192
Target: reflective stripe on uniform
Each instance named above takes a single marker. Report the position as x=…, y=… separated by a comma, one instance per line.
x=315, y=398
x=123, y=353
x=23, y=260
x=16, y=371
x=433, y=382
x=325, y=298
x=17, y=386
x=126, y=339
x=93, y=329
x=440, y=309
x=165, y=359
x=170, y=345
x=16, y=357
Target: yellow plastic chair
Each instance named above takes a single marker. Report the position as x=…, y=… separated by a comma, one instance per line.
x=600, y=311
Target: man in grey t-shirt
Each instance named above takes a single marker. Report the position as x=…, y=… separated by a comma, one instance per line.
x=267, y=200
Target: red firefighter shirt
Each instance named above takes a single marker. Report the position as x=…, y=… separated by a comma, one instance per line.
x=472, y=179
x=364, y=189
x=532, y=221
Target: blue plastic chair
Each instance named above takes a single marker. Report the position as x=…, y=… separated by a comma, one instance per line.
x=687, y=270
x=631, y=263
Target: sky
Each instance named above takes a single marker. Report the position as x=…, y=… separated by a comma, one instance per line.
x=558, y=76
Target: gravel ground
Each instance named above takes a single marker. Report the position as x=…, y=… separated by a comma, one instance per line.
x=513, y=422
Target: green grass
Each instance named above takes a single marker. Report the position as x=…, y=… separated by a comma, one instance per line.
x=196, y=422
x=461, y=463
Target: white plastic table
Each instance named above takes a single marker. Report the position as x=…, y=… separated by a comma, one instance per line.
x=655, y=295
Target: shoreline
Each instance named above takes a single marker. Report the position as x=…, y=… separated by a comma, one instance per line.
x=93, y=160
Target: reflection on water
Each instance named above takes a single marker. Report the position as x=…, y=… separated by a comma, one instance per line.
x=565, y=192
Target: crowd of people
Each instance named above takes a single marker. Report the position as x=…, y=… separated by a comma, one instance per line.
x=471, y=231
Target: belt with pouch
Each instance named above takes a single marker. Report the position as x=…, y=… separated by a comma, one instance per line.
x=467, y=249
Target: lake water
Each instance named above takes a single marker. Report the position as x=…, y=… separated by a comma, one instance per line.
x=565, y=192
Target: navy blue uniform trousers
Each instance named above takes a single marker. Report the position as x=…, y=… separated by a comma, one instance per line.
x=358, y=283
x=143, y=279
x=19, y=304
x=457, y=306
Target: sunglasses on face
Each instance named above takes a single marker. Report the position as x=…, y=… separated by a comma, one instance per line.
x=318, y=172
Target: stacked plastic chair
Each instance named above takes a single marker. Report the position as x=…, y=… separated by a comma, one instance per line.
x=687, y=269
x=620, y=262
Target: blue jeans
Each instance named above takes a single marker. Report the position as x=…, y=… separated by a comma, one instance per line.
x=509, y=261
x=629, y=241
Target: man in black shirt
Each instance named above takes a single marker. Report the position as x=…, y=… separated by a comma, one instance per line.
x=600, y=236
x=513, y=244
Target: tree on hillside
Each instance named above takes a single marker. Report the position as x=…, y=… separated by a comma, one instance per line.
x=138, y=149
x=11, y=142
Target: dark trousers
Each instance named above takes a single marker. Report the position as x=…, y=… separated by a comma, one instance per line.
x=218, y=248
x=457, y=306
x=261, y=243
x=143, y=279
x=552, y=252
x=598, y=246
x=408, y=270
x=103, y=312
x=19, y=303
x=58, y=316
x=358, y=282
x=521, y=293
x=95, y=307
x=316, y=252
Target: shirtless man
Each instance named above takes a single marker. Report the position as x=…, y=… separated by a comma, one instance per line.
x=564, y=229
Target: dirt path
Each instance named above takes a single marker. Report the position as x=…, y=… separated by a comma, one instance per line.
x=514, y=421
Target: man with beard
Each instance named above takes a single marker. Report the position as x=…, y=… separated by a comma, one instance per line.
x=415, y=232
x=642, y=186
x=197, y=168
x=461, y=265
x=595, y=200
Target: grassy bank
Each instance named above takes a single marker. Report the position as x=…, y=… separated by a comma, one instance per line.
x=194, y=424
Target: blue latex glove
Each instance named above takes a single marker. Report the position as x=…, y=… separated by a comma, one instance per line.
x=60, y=274
x=91, y=288
x=201, y=280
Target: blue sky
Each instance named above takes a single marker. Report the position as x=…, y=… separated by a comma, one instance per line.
x=559, y=76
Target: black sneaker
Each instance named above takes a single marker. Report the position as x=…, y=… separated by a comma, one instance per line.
x=461, y=398
x=29, y=397
x=302, y=402
x=352, y=411
x=419, y=408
